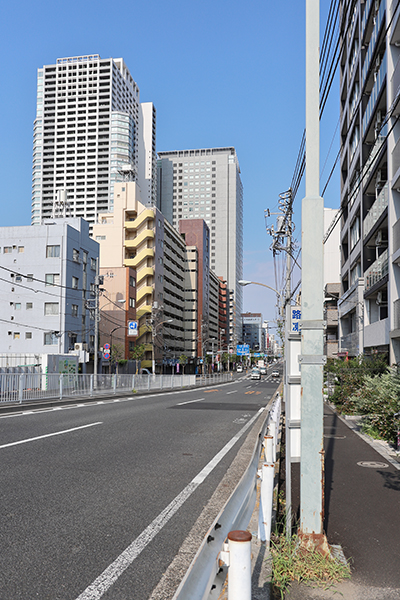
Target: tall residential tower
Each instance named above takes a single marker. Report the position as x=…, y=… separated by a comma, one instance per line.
x=90, y=131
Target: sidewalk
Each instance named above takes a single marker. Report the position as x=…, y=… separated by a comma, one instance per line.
x=362, y=513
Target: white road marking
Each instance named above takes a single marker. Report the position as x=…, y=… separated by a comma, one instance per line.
x=110, y=575
x=47, y=435
x=94, y=403
x=233, y=392
x=190, y=402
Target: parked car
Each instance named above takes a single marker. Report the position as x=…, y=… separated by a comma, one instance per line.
x=255, y=374
x=275, y=375
x=239, y=369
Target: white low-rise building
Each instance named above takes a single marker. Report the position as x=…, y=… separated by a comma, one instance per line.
x=46, y=287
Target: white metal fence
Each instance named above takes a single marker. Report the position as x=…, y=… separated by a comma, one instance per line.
x=24, y=387
x=205, y=576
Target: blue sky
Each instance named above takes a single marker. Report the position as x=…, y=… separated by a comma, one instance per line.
x=220, y=73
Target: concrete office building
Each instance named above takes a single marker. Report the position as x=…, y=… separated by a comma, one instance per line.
x=48, y=278
x=369, y=306
x=90, y=131
x=253, y=331
x=196, y=233
x=206, y=184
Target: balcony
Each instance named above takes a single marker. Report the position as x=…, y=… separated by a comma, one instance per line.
x=350, y=343
x=380, y=78
x=365, y=16
x=377, y=271
x=147, y=234
x=371, y=160
x=376, y=210
x=372, y=42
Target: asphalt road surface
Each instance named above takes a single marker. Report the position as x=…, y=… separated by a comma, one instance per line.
x=98, y=497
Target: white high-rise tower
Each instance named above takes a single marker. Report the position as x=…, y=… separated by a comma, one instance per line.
x=89, y=126
x=205, y=183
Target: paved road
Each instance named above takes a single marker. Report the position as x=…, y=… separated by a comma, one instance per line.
x=116, y=482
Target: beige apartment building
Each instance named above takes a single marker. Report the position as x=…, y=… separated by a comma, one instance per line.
x=138, y=237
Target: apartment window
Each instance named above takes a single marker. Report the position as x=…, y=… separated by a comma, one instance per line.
x=355, y=232
x=21, y=249
x=28, y=335
x=50, y=339
x=29, y=277
x=52, y=251
x=7, y=249
x=131, y=302
x=74, y=310
x=29, y=305
x=75, y=255
x=17, y=306
x=132, y=281
x=51, y=308
x=75, y=283
x=52, y=278
x=93, y=264
x=17, y=335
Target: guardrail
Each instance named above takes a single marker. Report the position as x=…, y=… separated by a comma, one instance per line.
x=208, y=570
x=25, y=387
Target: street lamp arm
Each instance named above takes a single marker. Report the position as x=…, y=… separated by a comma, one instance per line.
x=244, y=282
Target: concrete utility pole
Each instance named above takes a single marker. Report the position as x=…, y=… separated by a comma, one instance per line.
x=312, y=359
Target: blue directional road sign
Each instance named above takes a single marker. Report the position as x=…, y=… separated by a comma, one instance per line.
x=133, y=328
x=242, y=349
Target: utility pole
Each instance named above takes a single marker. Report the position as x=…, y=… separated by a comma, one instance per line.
x=312, y=359
x=284, y=231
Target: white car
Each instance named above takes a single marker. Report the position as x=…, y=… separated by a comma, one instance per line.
x=275, y=375
x=255, y=374
x=239, y=369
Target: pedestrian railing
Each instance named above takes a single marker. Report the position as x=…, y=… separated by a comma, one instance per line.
x=227, y=546
x=24, y=387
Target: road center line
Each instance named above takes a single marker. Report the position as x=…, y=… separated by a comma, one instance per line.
x=47, y=435
x=103, y=583
x=189, y=402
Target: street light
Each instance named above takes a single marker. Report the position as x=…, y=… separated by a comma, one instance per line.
x=153, y=337
x=244, y=282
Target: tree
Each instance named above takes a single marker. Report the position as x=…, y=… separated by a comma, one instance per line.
x=225, y=358
x=137, y=354
x=183, y=361
x=117, y=355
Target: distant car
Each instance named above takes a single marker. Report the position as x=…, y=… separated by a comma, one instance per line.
x=145, y=372
x=239, y=369
x=263, y=370
x=275, y=374
x=255, y=374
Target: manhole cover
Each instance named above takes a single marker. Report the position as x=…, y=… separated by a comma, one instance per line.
x=371, y=464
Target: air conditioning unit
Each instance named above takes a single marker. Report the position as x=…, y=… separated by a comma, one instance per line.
x=379, y=298
x=78, y=347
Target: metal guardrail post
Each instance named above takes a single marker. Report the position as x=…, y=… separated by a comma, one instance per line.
x=91, y=385
x=239, y=579
x=61, y=386
x=148, y=382
x=268, y=448
x=133, y=382
x=272, y=432
x=266, y=500
x=114, y=384
x=21, y=387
